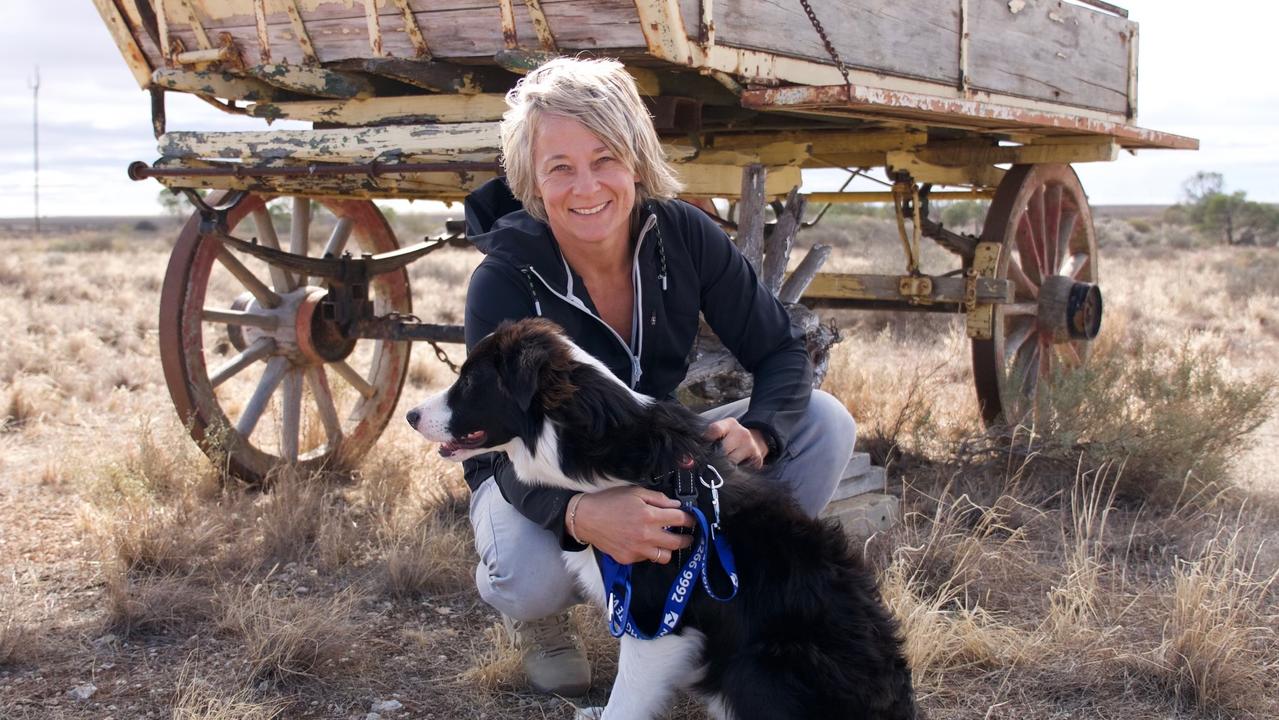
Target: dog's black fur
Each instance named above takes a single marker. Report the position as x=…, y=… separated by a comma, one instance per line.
x=807, y=635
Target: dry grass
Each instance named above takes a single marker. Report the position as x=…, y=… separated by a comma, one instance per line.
x=289, y=640
x=1096, y=565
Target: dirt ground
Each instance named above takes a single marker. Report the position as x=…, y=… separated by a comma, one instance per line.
x=135, y=585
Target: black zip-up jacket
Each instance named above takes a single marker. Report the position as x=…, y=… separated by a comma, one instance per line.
x=684, y=264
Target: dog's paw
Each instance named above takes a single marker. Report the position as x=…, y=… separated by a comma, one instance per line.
x=589, y=713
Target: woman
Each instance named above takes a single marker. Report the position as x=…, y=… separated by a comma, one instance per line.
x=583, y=232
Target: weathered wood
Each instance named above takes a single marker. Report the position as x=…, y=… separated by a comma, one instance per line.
x=780, y=239
x=750, y=215
x=436, y=76
x=1051, y=50
x=216, y=84
x=413, y=30
x=419, y=143
x=375, y=28
x=134, y=57
x=545, y=36
x=969, y=153
x=797, y=282
x=451, y=186
x=300, y=33
x=888, y=288
x=703, y=180
x=310, y=80
x=367, y=111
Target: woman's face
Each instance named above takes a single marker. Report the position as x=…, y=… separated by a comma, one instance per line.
x=587, y=190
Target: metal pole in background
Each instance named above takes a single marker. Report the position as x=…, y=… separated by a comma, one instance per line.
x=35, y=137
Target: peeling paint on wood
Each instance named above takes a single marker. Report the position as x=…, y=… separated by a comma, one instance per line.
x=216, y=84
x=425, y=143
x=133, y=55
x=367, y=111
x=310, y=80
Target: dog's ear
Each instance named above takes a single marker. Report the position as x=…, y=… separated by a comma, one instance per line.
x=524, y=375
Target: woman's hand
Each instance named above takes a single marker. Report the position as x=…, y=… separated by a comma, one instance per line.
x=629, y=523
x=740, y=445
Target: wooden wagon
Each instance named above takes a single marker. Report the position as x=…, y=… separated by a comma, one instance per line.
x=992, y=98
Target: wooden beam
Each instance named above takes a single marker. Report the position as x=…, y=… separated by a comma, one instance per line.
x=264, y=33
x=750, y=215
x=216, y=84
x=442, y=186
x=123, y=36
x=781, y=237
x=299, y=30
x=924, y=172
x=313, y=80
x=368, y=111
x=420, y=143
x=540, y=26
x=725, y=181
x=375, y=27
x=435, y=76
x=848, y=286
x=956, y=154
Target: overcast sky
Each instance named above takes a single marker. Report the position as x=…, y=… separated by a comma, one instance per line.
x=1204, y=72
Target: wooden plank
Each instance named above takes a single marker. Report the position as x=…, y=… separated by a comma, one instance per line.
x=300, y=34
x=967, y=153
x=375, y=28
x=849, y=286
x=263, y=31
x=725, y=181
x=311, y=80
x=425, y=143
x=1051, y=50
x=911, y=39
x=134, y=57
x=413, y=30
x=797, y=282
x=367, y=111
x=778, y=244
x=215, y=83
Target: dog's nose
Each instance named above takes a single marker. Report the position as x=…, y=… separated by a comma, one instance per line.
x=413, y=417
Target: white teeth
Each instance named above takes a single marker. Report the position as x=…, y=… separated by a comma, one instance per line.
x=590, y=211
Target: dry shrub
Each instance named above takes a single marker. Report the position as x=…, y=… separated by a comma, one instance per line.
x=164, y=540
x=1218, y=648
x=384, y=482
x=1170, y=413
x=497, y=665
x=432, y=555
x=289, y=639
x=24, y=405
x=18, y=640
x=156, y=604
x=1073, y=603
x=157, y=467
x=195, y=700
x=293, y=517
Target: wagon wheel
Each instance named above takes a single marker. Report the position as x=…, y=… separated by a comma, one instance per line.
x=1041, y=219
x=261, y=379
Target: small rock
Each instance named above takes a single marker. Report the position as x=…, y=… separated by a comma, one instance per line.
x=83, y=692
x=386, y=706
x=372, y=716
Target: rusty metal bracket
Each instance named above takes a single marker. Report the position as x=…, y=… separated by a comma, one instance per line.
x=917, y=288
x=980, y=318
x=213, y=217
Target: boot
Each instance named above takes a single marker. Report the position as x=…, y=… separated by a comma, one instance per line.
x=553, y=662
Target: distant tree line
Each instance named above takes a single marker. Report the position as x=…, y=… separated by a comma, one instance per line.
x=1229, y=215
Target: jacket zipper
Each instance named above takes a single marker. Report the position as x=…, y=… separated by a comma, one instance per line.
x=637, y=318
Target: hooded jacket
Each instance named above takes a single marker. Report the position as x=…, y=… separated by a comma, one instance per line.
x=683, y=265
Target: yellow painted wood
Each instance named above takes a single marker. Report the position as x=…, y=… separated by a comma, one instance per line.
x=885, y=197
x=366, y=111
x=726, y=180
x=418, y=143
x=215, y=84
x=967, y=153
x=923, y=172
x=133, y=56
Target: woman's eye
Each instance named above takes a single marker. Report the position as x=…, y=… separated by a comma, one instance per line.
x=560, y=169
x=605, y=160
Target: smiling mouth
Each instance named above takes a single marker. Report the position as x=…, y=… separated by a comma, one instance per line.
x=470, y=441
x=591, y=210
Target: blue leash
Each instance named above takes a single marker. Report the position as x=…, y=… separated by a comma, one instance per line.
x=617, y=577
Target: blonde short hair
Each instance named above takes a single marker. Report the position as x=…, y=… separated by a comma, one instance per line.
x=602, y=96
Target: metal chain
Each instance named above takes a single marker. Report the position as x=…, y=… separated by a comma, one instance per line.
x=830, y=47
x=444, y=357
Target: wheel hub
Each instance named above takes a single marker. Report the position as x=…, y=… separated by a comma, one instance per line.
x=1069, y=310
x=301, y=333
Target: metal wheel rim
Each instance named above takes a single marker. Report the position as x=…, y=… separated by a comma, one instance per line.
x=1041, y=218
x=182, y=349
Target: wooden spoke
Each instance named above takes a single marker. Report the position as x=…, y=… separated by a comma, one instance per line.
x=319, y=384
x=1069, y=355
x=251, y=354
x=271, y=377
x=300, y=225
x=1026, y=288
x=353, y=376
x=265, y=296
x=1052, y=228
x=240, y=317
x=291, y=415
x=1038, y=226
x=1072, y=265
x=1021, y=308
x=1028, y=250
x=1018, y=336
x=281, y=279
x=1064, y=235
x=1024, y=364
x=1045, y=370
x=337, y=240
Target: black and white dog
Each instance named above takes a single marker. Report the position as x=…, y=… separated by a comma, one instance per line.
x=807, y=635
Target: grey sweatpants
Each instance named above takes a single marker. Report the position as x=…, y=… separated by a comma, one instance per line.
x=521, y=572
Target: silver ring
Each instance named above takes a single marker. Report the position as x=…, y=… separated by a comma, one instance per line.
x=658, y=559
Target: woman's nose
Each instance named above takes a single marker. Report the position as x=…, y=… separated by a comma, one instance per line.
x=585, y=182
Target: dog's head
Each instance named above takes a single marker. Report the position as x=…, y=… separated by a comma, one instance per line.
x=507, y=384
